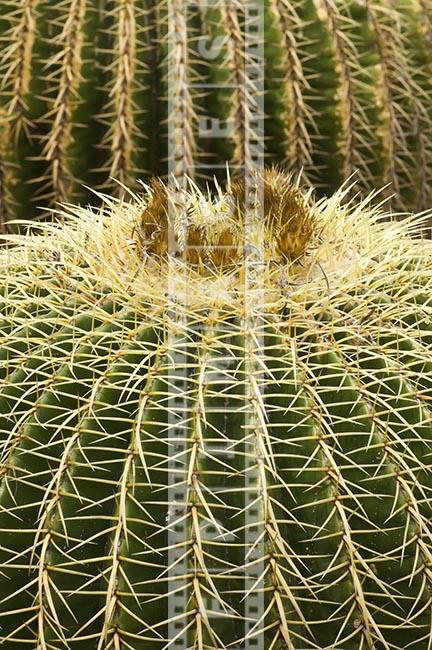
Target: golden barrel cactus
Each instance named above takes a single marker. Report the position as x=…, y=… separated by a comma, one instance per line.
x=215, y=434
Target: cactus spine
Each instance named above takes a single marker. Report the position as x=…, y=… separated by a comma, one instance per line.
x=218, y=442
x=86, y=91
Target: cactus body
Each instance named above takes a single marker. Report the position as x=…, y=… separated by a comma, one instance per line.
x=85, y=91
x=292, y=419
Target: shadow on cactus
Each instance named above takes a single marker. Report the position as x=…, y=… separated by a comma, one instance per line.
x=218, y=440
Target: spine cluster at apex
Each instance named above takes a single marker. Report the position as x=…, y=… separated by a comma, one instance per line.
x=212, y=229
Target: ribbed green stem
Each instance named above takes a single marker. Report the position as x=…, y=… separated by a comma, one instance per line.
x=335, y=461
x=55, y=395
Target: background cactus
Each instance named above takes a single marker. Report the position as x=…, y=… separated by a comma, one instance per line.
x=84, y=90
x=294, y=414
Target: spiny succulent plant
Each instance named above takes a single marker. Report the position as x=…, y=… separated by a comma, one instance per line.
x=212, y=437
x=91, y=90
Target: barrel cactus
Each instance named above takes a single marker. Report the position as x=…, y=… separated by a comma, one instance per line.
x=86, y=90
x=216, y=426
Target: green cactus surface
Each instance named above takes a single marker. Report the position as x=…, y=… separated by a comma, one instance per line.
x=205, y=447
x=89, y=90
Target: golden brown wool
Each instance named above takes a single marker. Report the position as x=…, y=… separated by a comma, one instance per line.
x=154, y=217
x=286, y=213
x=172, y=213
x=210, y=231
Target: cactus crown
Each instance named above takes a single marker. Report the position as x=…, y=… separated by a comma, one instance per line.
x=308, y=242
x=212, y=229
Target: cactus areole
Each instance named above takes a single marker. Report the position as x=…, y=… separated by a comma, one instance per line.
x=216, y=425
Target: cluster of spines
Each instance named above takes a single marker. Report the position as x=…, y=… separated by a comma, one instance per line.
x=243, y=93
x=59, y=117
x=122, y=112
x=349, y=107
x=420, y=29
x=394, y=85
x=18, y=52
